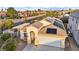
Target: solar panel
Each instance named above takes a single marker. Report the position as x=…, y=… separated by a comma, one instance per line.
x=58, y=24
x=58, y=21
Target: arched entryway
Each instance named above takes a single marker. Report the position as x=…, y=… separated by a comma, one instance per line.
x=32, y=37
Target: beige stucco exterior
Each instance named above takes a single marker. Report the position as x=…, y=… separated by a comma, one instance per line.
x=52, y=39
x=41, y=37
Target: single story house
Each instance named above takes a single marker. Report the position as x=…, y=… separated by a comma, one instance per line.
x=49, y=31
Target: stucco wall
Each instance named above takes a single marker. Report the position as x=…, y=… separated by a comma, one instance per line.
x=29, y=29
x=61, y=32
x=51, y=40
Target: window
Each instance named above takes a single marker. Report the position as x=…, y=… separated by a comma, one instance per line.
x=51, y=31
x=72, y=19
x=15, y=34
x=71, y=27
x=25, y=34
x=15, y=30
x=76, y=20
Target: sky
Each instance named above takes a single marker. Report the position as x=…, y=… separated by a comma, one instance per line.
x=41, y=4
x=42, y=8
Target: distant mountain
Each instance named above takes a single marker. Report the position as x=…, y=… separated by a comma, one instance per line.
x=42, y=8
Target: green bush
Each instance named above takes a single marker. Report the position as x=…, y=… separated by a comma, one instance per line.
x=10, y=45
x=1, y=42
x=1, y=32
x=52, y=13
x=5, y=36
x=8, y=24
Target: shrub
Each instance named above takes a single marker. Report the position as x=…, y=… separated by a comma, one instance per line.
x=1, y=42
x=9, y=45
x=5, y=36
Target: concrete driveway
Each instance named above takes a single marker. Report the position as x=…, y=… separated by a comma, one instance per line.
x=73, y=45
x=41, y=48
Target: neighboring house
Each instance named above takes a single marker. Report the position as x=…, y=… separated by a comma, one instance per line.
x=73, y=25
x=20, y=31
x=2, y=14
x=49, y=31
x=30, y=13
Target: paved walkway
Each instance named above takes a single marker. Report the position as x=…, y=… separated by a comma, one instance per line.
x=73, y=44
x=21, y=44
x=41, y=48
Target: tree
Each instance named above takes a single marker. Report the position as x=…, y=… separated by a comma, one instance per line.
x=48, y=13
x=52, y=13
x=1, y=25
x=8, y=23
x=10, y=45
x=1, y=42
x=76, y=10
x=12, y=13
x=1, y=32
x=5, y=36
x=39, y=9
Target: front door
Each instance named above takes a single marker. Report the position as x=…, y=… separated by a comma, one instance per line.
x=32, y=37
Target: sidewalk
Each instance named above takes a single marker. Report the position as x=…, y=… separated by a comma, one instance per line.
x=21, y=44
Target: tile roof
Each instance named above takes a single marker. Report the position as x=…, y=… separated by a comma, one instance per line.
x=75, y=14
x=37, y=24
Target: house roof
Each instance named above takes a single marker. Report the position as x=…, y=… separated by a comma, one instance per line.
x=75, y=14
x=48, y=21
x=56, y=22
x=37, y=24
x=19, y=26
